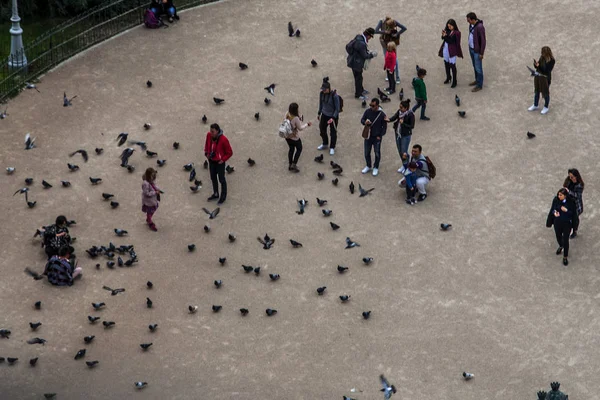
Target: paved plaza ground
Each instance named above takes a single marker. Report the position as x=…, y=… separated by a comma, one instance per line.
x=489, y=297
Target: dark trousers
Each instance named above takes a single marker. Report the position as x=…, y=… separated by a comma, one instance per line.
x=420, y=103
x=333, y=129
x=391, y=81
x=576, y=224
x=358, y=82
x=562, y=236
x=217, y=172
x=376, y=146
x=294, y=151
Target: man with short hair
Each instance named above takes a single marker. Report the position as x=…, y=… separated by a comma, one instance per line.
x=477, y=44
x=328, y=116
x=60, y=270
x=217, y=150
x=423, y=179
x=375, y=119
x=357, y=55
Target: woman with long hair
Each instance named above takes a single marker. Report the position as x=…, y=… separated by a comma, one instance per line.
x=150, y=196
x=450, y=49
x=563, y=215
x=294, y=142
x=574, y=186
x=543, y=78
x=390, y=31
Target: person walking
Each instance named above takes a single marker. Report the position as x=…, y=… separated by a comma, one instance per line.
x=375, y=125
x=404, y=122
x=477, y=44
x=574, y=186
x=293, y=140
x=217, y=150
x=450, y=49
x=358, y=54
x=389, y=65
x=390, y=31
x=150, y=196
x=563, y=215
x=542, y=80
x=420, y=93
x=328, y=116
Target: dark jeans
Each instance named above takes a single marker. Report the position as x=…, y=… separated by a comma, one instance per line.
x=420, y=103
x=536, y=99
x=217, y=171
x=391, y=81
x=333, y=129
x=562, y=236
x=159, y=11
x=295, y=147
x=358, y=82
x=376, y=146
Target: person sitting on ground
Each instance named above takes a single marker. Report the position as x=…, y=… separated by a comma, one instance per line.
x=423, y=177
x=164, y=7
x=61, y=271
x=56, y=236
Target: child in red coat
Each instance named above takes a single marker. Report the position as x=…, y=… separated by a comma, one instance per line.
x=389, y=65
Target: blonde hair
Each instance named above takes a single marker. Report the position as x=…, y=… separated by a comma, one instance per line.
x=547, y=53
x=391, y=46
x=389, y=21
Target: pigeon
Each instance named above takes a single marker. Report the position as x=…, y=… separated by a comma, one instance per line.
x=72, y=167
x=114, y=204
x=107, y=196
x=140, y=385
x=350, y=244
x=192, y=309
x=147, y=125
x=335, y=181
x=150, y=285
x=231, y=237
x=204, y=119
x=344, y=298
x=247, y=268
x=270, y=312
x=366, y=314
x=63, y=183
x=33, y=361
x=243, y=66
x=5, y=333
x=151, y=153
x=257, y=271
x=31, y=86
x=297, y=34
x=38, y=305
x=88, y=339
x=467, y=376
x=290, y=29
x=22, y=191
x=142, y=145
x=319, y=158
x=37, y=341
x=122, y=138
x=321, y=290
x=49, y=395
x=274, y=277
x=28, y=181
x=216, y=309
x=11, y=360
x=364, y=104
x=401, y=94
x=130, y=168
x=29, y=142
x=99, y=150
x=335, y=165
x=80, y=354
x=66, y=100
x=251, y=162
x=321, y=202
x=418, y=68
x=257, y=116
x=367, y=260
x=206, y=228
x=457, y=100
x=320, y=176
x=351, y=187
x=31, y=204
x=161, y=163
x=244, y=311
x=364, y=192
x=295, y=244
x=176, y=145
x=212, y=214
x=93, y=319
x=445, y=227
x=341, y=269
x=222, y=260
x=95, y=181
x=229, y=169
x=191, y=247
x=145, y=346
x=120, y=232
x=149, y=84
x=267, y=242
x=152, y=327
x=532, y=71
x=327, y=212
x=4, y=114
x=148, y=302
x=338, y=172
x=10, y=170
x=188, y=167
x=530, y=135
x=347, y=398
x=313, y=63
x=92, y=364
x=192, y=176
x=34, y=325
x=387, y=389
x=218, y=283
x=218, y=101
x=108, y=324
x=267, y=101
x=335, y=227
x=98, y=306
x=83, y=153
x=463, y=114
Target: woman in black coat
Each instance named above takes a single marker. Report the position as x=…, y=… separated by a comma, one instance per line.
x=574, y=185
x=563, y=215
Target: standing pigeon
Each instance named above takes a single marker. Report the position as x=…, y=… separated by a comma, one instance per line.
x=290, y=29
x=29, y=142
x=66, y=100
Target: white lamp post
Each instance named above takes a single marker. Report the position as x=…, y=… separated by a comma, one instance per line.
x=17, y=57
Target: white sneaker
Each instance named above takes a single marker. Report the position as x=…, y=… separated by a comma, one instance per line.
x=397, y=81
x=365, y=170
x=402, y=183
x=321, y=147
x=375, y=172
x=545, y=110
x=400, y=170
x=532, y=108
x=331, y=152
x=386, y=78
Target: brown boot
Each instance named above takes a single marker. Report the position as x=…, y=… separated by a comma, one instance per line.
x=476, y=89
x=473, y=83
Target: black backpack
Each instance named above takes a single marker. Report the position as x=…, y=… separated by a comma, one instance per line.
x=350, y=46
x=341, y=100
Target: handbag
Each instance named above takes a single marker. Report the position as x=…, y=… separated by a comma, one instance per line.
x=367, y=128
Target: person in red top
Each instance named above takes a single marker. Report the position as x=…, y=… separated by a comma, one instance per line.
x=389, y=65
x=217, y=150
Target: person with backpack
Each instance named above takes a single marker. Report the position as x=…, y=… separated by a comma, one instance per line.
x=425, y=170
x=293, y=123
x=358, y=54
x=164, y=7
x=328, y=115
x=375, y=126
x=218, y=151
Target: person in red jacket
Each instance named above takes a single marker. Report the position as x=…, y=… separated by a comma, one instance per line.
x=217, y=150
x=389, y=65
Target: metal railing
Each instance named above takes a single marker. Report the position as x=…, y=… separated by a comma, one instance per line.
x=72, y=37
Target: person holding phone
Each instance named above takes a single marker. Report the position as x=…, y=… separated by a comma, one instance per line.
x=563, y=215
x=217, y=150
x=374, y=120
x=541, y=81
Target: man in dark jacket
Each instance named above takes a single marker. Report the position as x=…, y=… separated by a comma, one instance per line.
x=374, y=117
x=328, y=115
x=217, y=150
x=476, y=48
x=357, y=55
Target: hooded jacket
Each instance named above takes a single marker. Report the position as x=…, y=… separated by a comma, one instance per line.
x=219, y=149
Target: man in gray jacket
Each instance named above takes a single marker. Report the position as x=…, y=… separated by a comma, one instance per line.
x=328, y=115
x=423, y=179
x=357, y=55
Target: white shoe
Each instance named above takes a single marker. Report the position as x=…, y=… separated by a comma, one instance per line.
x=331, y=152
x=400, y=170
x=532, y=108
x=402, y=183
x=365, y=170
x=397, y=81
x=386, y=79
x=321, y=147
x=375, y=172
x=545, y=110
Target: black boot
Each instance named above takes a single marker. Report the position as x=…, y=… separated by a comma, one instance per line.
x=453, y=69
x=447, y=67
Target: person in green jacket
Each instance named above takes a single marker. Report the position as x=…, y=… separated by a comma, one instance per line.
x=420, y=93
